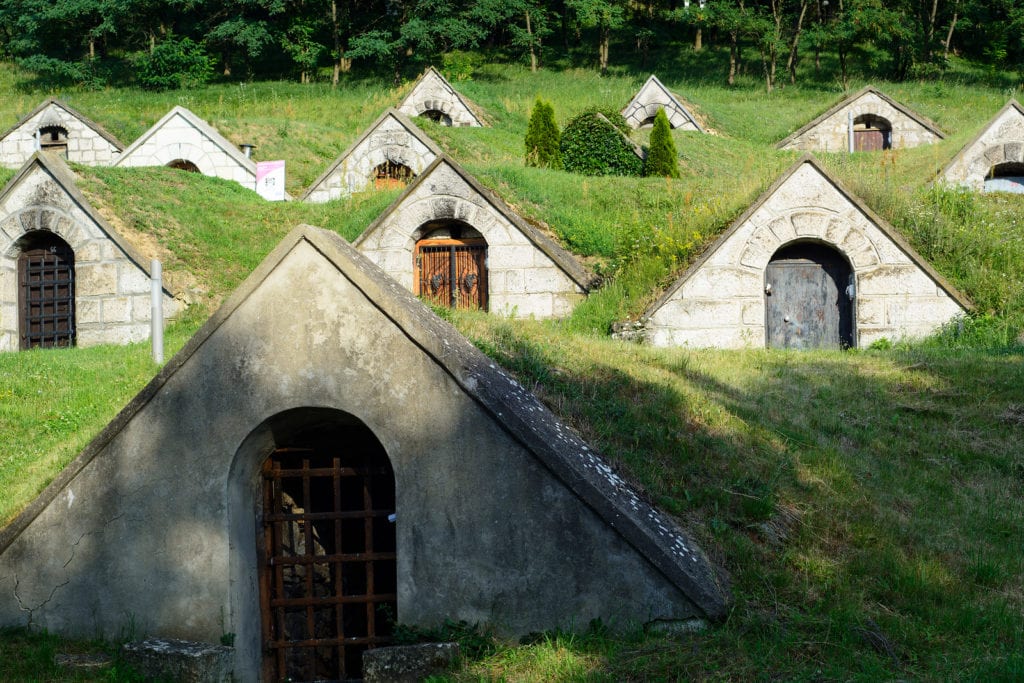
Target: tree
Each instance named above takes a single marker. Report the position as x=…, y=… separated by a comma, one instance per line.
x=542, y=137
x=604, y=15
x=662, y=158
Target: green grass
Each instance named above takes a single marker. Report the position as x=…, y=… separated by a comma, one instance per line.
x=867, y=505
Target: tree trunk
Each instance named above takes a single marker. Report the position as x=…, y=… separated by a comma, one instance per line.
x=791, y=62
x=92, y=49
x=842, y=69
x=952, y=25
x=698, y=40
x=602, y=56
x=733, y=54
x=533, y=52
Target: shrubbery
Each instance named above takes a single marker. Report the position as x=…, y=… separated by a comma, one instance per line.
x=542, y=137
x=662, y=156
x=175, y=64
x=594, y=144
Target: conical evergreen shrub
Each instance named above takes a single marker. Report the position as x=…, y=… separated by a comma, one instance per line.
x=662, y=156
x=542, y=137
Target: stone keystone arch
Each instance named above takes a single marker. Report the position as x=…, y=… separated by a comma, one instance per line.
x=720, y=301
x=1000, y=141
x=433, y=92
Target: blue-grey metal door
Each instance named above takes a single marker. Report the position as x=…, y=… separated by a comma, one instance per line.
x=808, y=298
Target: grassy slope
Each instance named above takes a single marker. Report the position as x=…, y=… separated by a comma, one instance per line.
x=867, y=504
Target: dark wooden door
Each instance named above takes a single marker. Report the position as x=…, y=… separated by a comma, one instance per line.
x=328, y=577
x=871, y=140
x=807, y=299
x=46, y=293
x=451, y=272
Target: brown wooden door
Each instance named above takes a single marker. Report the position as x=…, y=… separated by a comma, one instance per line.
x=452, y=272
x=807, y=299
x=328, y=576
x=46, y=294
x=871, y=140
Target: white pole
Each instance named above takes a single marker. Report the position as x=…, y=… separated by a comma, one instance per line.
x=157, y=307
x=39, y=142
x=849, y=129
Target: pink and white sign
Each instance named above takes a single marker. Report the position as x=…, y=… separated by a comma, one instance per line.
x=270, y=180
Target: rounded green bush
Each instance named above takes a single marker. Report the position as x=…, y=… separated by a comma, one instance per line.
x=596, y=143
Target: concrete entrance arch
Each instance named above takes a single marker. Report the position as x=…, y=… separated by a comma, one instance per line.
x=808, y=304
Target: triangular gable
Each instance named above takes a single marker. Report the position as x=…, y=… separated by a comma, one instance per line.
x=1001, y=140
x=805, y=203
x=446, y=191
x=433, y=93
x=43, y=195
x=392, y=137
x=90, y=143
x=927, y=128
x=651, y=97
x=181, y=135
x=492, y=489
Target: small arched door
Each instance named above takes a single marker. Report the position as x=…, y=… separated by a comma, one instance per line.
x=871, y=133
x=54, y=139
x=809, y=292
x=328, y=572
x=391, y=174
x=183, y=165
x=46, y=291
x=1006, y=177
x=437, y=116
x=450, y=266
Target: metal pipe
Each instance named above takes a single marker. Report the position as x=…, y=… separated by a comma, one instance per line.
x=849, y=129
x=157, y=310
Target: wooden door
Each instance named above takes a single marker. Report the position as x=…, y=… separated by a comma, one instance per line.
x=328, y=573
x=46, y=294
x=870, y=140
x=808, y=303
x=452, y=272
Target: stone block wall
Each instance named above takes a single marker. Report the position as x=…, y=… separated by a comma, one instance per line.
x=112, y=289
x=832, y=134
x=433, y=93
x=85, y=145
x=1002, y=141
x=721, y=303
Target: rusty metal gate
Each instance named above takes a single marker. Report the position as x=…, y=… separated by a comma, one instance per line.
x=46, y=293
x=328, y=581
x=808, y=298
x=451, y=272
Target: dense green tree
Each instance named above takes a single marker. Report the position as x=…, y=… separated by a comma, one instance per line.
x=597, y=143
x=662, y=158
x=542, y=137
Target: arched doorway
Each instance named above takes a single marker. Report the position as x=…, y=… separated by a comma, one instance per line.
x=437, y=116
x=46, y=291
x=1006, y=177
x=327, y=546
x=450, y=265
x=391, y=174
x=54, y=139
x=809, y=298
x=871, y=133
x=184, y=165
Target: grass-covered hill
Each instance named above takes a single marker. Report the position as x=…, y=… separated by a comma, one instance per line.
x=868, y=505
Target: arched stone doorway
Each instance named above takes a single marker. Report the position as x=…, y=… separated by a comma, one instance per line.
x=46, y=291
x=871, y=133
x=809, y=298
x=450, y=265
x=391, y=174
x=1005, y=177
x=54, y=139
x=326, y=547
x=437, y=116
x=183, y=165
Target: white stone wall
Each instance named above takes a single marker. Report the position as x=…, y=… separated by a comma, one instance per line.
x=832, y=134
x=433, y=92
x=1001, y=142
x=85, y=145
x=523, y=281
x=651, y=97
x=390, y=141
x=180, y=138
x=722, y=304
x=112, y=293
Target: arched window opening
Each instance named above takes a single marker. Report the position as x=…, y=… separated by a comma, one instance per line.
x=54, y=139
x=1006, y=177
x=329, y=581
x=437, y=116
x=184, y=165
x=46, y=291
x=809, y=293
x=391, y=174
x=871, y=133
x=450, y=265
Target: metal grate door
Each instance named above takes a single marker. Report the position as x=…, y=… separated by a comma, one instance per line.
x=46, y=296
x=328, y=583
x=452, y=273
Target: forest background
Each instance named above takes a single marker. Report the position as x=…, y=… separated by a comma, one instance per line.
x=181, y=43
